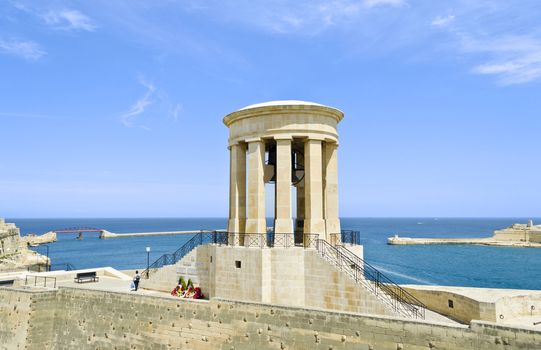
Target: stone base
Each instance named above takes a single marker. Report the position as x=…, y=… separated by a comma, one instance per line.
x=287, y=276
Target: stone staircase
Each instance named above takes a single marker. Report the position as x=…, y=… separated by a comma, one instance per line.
x=166, y=278
x=379, y=285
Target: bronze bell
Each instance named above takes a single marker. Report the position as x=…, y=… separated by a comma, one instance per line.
x=297, y=165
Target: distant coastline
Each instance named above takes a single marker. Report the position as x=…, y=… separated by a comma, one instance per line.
x=517, y=235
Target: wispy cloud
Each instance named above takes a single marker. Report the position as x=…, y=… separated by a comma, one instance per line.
x=289, y=17
x=512, y=59
x=374, y=3
x=175, y=112
x=28, y=50
x=128, y=118
x=502, y=40
x=69, y=20
x=443, y=21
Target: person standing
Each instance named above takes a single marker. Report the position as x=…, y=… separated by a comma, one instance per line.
x=136, y=280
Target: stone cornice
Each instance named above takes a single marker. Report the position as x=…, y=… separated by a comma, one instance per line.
x=285, y=109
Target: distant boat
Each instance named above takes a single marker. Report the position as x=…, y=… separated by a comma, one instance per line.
x=419, y=223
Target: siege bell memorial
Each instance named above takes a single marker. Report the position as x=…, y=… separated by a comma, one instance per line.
x=289, y=143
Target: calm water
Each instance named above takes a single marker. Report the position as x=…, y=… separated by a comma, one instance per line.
x=474, y=266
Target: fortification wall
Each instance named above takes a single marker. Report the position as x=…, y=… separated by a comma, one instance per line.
x=517, y=306
x=14, y=318
x=463, y=309
x=90, y=319
x=510, y=235
x=535, y=237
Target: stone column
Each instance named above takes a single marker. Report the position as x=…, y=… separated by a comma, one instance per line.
x=313, y=185
x=283, y=222
x=255, y=221
x=237, y=192
x=332, y=220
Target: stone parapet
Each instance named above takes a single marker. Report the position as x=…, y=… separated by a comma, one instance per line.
x=90, y=319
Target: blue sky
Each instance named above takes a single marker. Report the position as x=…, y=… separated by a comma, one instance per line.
x=114, y=108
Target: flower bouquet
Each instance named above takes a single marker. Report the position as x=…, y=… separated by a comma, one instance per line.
x=187, y=290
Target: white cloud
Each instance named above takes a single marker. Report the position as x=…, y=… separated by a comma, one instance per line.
x=443, y=21
x=518, y=70
x=175, y=113
x=69, y=20
x=287, y=16
x=128, y=118
x=28, y=50
x=511, y=59
x=374, y=3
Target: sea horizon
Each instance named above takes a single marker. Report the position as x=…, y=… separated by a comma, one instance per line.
x=495, y=267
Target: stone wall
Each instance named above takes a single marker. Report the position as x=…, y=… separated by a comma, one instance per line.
x=331, y=289
x=286, y=276
x=464, y=309
x=535, y=237
x=14, y=318
x=493, y=305
x=89, y=319
x=517, y=307
x=519, y=232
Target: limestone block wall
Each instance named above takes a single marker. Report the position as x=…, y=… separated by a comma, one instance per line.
x=14, y=318
x=89, y=319
x=287, y=269
x=496, y=308
x=240, y=273
x=329, y=288
x=193, y=266
x=284, y=276
x=464, y=309
x=510, y=235
x=535, y=237
x=517, y=306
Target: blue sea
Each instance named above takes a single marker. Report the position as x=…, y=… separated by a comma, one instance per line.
x=453, y=265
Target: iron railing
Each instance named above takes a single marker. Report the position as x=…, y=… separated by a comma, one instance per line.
x=53, y=267
x=44, y=278
x=249, y=240
x=376, y=282
x=350, y=237
x=270, y=240
x=62, y=267
x=203, y=237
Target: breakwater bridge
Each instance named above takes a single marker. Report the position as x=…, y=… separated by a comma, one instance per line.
x=104, y=234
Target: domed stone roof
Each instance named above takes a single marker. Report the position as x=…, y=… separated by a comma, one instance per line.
x=282, y=103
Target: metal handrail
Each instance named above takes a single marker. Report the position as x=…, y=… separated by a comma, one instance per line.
x=234, y=239
x=350, y=237
x=62, y=266
x=203, y=237
x=45, y=278
x=372, y=279
x=386, y=282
